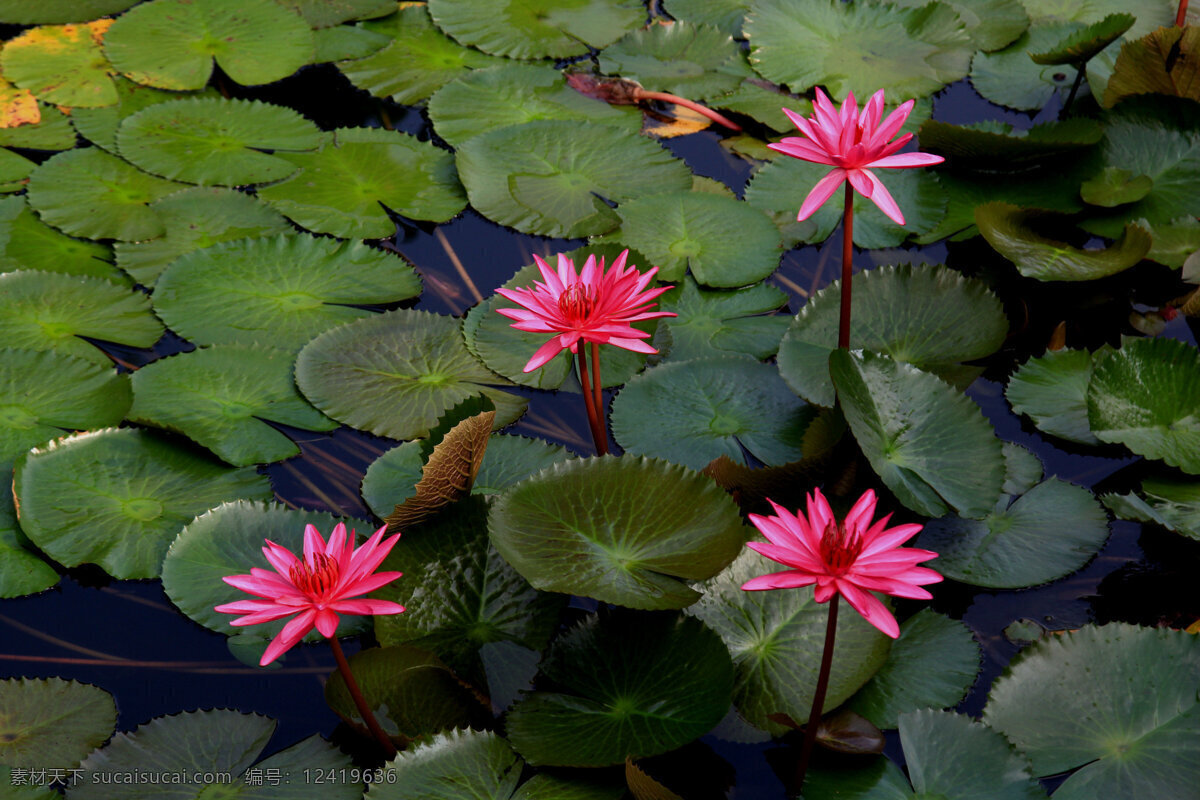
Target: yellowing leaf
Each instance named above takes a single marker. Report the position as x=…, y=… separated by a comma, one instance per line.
x=17, y=106
x=1162, y=62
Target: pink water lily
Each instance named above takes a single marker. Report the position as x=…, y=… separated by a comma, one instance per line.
x=853, y=143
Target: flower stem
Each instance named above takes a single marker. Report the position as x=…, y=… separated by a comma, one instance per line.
x=360, y=702
x=814, y=716
x=1074, y=89
x=720, y=119
x=597, y=391
x=589, y=402
x=847, y=267
x=1181, y=14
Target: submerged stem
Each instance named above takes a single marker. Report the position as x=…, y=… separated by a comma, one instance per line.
x=589, y=402
x=814, y=716
x=359, y=701
x=847, y=267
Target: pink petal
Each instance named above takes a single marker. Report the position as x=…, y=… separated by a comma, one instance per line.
x=861, y=183
x=883, y=198
x=326, y=622
x=313, y=543
x=366, y=607
x=907, y=160
x=337, y=541
x=804, y=150
x=292, y=633
x=788, y=557
x=893, y=123
x=779, y=580
x=543, y=354
x=869, y=606
x=282, y=559
x=631, y=344
x=860, y=515
x=820, y=193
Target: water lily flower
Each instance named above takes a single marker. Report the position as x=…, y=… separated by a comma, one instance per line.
x=852, y=557
x=316, y=589
x=853, y=143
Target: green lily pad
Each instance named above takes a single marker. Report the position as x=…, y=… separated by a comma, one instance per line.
x=326, y=13
x=858, y=48
x=117, y=497
x=53, y=132
x=776, y=639
x=222, y=398
x=14, y=171
x=988, y=150
x=1115, y=187
x=213, y=140
x=50, y=311
x=342, y=42
x=28, y=243
x=22, y=571
x=931, y=445
x=1050, y=531
x=513, y=94
x=419, y=61
x=1171, y=502
x=313, y=754
x=395, y=374
x=193, y=219
x=1010, y=78
x=1010, y=231
x=694, y=61
x=61, y=64
x=1174, y=241
x=1022, y=469
x=763, y=102
x=619, y=690
x=228, y=540
x=583, y=527
x=37, y=12
x=1162, y=62
x=1146, y=396
x=691, y=412
x=553, y=177
x=932, y=665
x=452, y=766
x=1119, y=699
x=1150, y=13
x=726, y=15
x=52, y=721
x=342, y=188
x=537, y=28
x=723, y=241
x=89, y=193
x=928, y=316
x=1085, y=44
x=21, y=787
x=99, y=125
x=991, y=24
x=171, y=44
x=285, y=289
x=716, y=322
x=1052, y=391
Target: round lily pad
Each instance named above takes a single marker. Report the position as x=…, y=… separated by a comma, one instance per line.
x=1151, y=14
x=196, y=218
x=776, y=639
x=92, y=194
x=1086, y=43
x=695, y=61
x=222, y=397
x=1146, y=396
x=285, y=289
x=724, y=14
x=342, y=42
x=537, y=28
x=723, y=241
x=691, y=412
x=37, y=12
x=449, y=766
x=28, y=243
x=928, y=316
x=1165, y=500
x=52, y=721
x=14, y=171
x=326, y=13
x=61, y=64
x=117, y=497
x=714, y=322
x=343, y=188
x=22, y=571
x=513, y=94
x=991, y=24
x=420, y=59
x=99, y=125
x=171, y=44
x=554, y=177
x=620, y=691
x=931, y=445
x=214, y=140
x=1052, y=391
x=763, y=102
x=395, y=374
x=1120, y=699
x=52, y=132
x=1009, y=77
x=858, y=47
x=51, y=311
x=590, y=527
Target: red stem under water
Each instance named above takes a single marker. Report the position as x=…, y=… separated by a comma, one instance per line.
x=847, y=267
x=643, y=94
x=814, y=716
x=360, y=702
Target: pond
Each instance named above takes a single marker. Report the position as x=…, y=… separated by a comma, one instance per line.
x=249, y=261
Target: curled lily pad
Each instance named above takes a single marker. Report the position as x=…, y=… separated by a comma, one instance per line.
x=1162, y=62
x=537, y=28
x=37, y=12
x=285, y=289
x=171, y=44
x=62, y=64
x=52, y=721
x=1115, y=187
x=715, y=322
x=214, y=140
x=691, y=412
x=117, y=497
x=590, y=527
x=1052, y=391
x=928, y=316
x=395, y=374
x=991, y=24
x=694, y=61
x=1151, y=13
x=28, y=243
x=973, y=147
x=1168, y=501
x=1084, y=44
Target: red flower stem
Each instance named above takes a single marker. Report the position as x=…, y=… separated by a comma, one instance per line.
x=598, y=392
x=589, y=402
x=360, y=702
x=814, y=716
x=1181, y=14
x=643, y=94
x=847, y=267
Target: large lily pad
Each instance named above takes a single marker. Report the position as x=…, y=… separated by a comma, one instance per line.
x=1151, y=14
x=171, y=44
x=553, y=177
x=1168, y=501
x=991, y=24
x=395, y=374
x=695, y=61
x=92, y=194
x=99, y=125
x=714, y=322
x=776, y=639
x=28, y=243
x=37, y=12
x=537, y=28
x=1146, y=396
x=619, y=690
x=691, y=412
x=1052, y=391
x=858, y=47
x=343, y=188
x=52, y=721
x=1119, y=699
x=327, y=13
x=1009, y=77
x=591, y=527
x=282, y=291
x=1086, y=43
x=61, y=64
x=51, y=311
x=724, y=14
x=451, y=766
x=117, y=497
x=931, y=445
x=214, y=140
x=928, y=316
x=973, y=147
